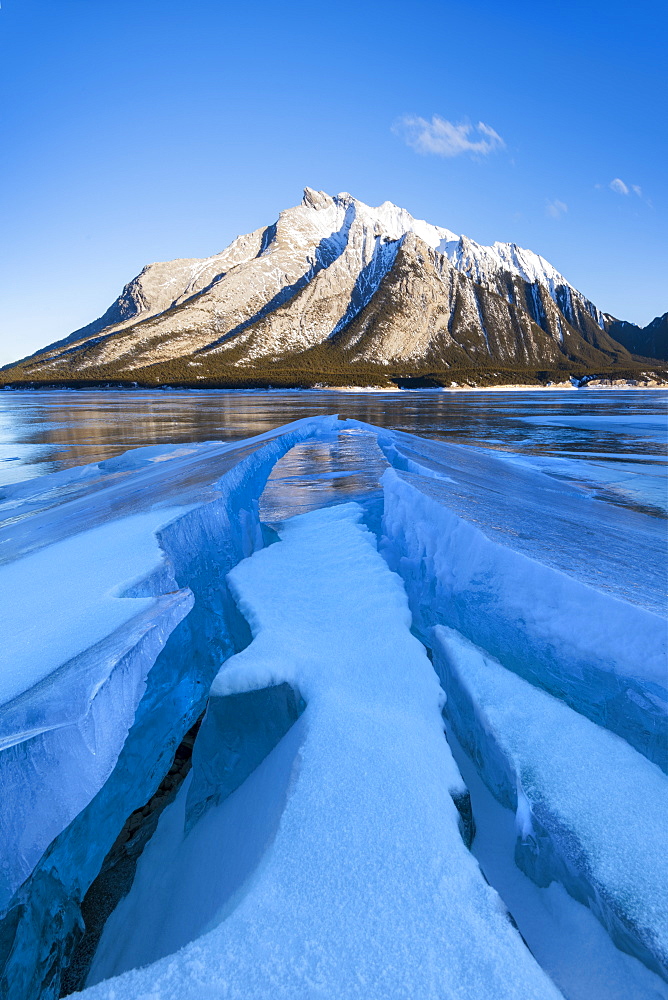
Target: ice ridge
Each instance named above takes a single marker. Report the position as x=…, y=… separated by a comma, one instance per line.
x=332, y=699
x=603, y=655
x=591, y=811
x=365, y=888
x=103, y=745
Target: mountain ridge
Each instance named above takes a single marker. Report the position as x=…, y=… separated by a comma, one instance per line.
x=649, y=341
x=338, y=287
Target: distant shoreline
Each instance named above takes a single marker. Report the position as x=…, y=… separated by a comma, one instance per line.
x=378, y=389
x=646, y=375
x=495, y=388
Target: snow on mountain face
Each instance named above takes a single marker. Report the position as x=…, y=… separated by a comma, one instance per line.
x=485, y=265
x=482, y=263
x=371, y=285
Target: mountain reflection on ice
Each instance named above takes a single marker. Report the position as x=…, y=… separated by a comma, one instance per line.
x=613, y=443
x=321, y=473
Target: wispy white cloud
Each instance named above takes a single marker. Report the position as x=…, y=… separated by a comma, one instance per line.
x=619, y=186
x=555, y=209
x=444, y=138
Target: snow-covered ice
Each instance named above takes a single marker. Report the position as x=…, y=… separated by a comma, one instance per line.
x=81, y=583
x=564, y=936
x=62, y=732
x=324, y=815
x=570, y=597
x=365, y=887
x=591, y=812
x=104, y=681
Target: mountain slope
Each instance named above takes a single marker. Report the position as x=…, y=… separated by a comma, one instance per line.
x=650, y=341
x=336, y=284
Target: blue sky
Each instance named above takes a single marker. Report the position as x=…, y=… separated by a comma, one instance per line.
x=137, y=131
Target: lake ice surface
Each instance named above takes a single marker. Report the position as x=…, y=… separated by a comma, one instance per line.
x=499, y=487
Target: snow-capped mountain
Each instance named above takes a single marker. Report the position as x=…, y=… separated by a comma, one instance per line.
x=334, y=283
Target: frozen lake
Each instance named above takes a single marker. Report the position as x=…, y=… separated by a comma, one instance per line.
x=613, y=443
x=526, y=535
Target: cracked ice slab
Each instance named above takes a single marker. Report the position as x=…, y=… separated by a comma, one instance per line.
x=69, y=596
x=591, y=812
x=52, y=507
x=366, y=889
x=92, y=739
x=612, y=549
x=77, y=649
x=602, y=654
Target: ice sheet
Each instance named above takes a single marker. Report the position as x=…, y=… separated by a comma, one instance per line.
x=367, y=889
x=76, y=653
x=50, y=508
x=473, y=535
x=89, y=743
x=591, y=812
x=604, y=655
x=564, y=935
x=615, y=550
x=66, y=597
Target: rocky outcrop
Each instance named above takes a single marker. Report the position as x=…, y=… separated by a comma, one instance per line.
x=335, y=281
x=427, y=310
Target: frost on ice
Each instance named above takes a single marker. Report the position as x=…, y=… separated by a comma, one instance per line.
x=320, y=844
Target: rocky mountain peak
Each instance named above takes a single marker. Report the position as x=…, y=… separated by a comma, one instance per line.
x=316, y=199
x=336, y=281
